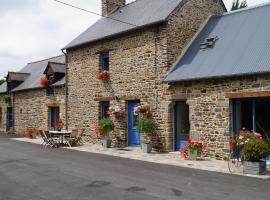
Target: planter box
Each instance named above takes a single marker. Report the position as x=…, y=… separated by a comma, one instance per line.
x=106, y=143
x=254, y=168
x=147, y=148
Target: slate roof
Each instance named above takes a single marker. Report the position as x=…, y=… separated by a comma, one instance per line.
x=36, y=69
x=243, y=47
x=3, y=88
x=140, y=13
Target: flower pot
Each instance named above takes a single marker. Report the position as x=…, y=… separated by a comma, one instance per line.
x=147, y=148
x=106, y=143
x=254, y=168
x=192, y=155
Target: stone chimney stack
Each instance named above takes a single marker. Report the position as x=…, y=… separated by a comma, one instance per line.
x=108, y=6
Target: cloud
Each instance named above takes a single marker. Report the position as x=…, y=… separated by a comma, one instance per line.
x=37, y=29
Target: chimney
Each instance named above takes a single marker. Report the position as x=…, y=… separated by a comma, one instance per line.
x=108, y=6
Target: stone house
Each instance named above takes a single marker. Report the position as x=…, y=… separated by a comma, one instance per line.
x=222, y=80
x=29, y=104
x=138, y=44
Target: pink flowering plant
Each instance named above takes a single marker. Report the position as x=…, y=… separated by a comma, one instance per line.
x=245, y=136
x=143, y=110
x=117, y=110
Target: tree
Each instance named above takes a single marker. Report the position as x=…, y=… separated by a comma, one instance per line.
x=2, y=81
x=237, y=5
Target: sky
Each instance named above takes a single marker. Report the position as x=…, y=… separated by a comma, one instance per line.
x=31, y=30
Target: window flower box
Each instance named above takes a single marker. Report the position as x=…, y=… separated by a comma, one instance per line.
x=44, y=81
x=103, y=75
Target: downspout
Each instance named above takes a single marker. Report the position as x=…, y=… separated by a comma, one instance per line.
x=66, y=90
x=13, y=110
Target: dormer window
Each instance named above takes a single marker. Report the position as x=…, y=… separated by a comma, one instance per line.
x=209, y=43
x=104, y=61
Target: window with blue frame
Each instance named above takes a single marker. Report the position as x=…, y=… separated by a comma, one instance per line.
x=49, y=91
x=252, y=114
x=104, y=108
x=104, y=61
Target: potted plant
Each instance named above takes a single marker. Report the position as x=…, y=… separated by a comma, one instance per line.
x=105, y=126
x=59, y=125
x=30, y=133
x=103, y=75
x=118, y=111
x=147, y=127
x=193, y=149
x=253, y=152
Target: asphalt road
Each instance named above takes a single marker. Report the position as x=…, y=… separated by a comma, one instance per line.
x=28, y=172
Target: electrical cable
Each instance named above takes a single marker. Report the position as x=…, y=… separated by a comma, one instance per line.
x=94, y=13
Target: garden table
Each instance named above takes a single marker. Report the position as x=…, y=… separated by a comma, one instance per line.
x=61, y=135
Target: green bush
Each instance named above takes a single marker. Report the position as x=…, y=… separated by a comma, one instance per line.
x=255, y=150
x=146, y=125
x=6, y=97
x=106, y=125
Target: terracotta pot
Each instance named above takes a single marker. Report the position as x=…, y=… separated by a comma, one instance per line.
x=28, y=133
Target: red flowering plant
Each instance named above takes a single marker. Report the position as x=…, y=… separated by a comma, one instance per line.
x=194, y=147
x=44, y=81
x=143, y=110
x=103, y=75
x=59, y=125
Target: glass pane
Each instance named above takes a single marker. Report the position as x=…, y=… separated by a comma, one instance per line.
x=262, y=117
x=182, y=121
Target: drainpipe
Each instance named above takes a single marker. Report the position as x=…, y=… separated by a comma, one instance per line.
x=66, y=89
x=13, y=109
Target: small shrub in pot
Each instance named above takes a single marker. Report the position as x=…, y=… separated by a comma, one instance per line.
x=105, y=126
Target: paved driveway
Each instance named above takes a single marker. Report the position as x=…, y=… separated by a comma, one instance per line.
x=28, y=172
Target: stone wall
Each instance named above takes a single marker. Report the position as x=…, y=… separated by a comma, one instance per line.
x=185, y=21
x=210, y=116
x=138, y=63
x=31, y=108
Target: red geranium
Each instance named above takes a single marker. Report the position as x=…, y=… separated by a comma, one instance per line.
x=103, y=75
x=44, y=81
x=59, y=125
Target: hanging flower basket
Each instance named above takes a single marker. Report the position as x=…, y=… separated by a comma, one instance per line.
x=44, y=81
x=143, y=110
x=117, y=111
x=103, y=75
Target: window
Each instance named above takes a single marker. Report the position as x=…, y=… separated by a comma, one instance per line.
x=208, y=43
x=49, y=91
x=252, y=114
x=104, y=107
x=104, y=61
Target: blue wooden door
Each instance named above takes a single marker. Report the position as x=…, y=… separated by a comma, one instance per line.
x=181, y=125
x=133, y=134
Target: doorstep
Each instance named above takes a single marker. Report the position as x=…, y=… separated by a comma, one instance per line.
x=172, y=158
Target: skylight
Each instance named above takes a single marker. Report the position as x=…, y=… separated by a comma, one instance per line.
x=208, y=43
